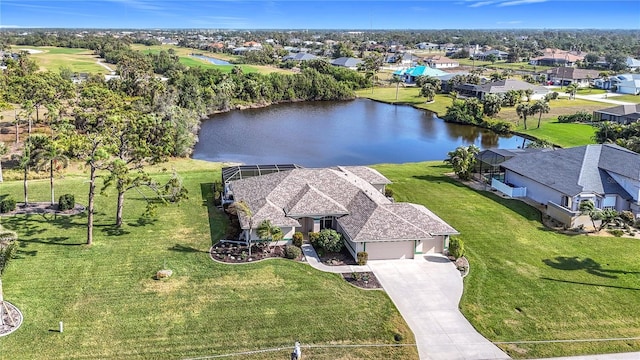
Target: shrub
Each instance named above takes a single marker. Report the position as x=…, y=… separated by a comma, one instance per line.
x=7, y=205
x=313, y=238
x=297, y=239
x=552, y=96
x=616, y=232
x=330, y=240
x=66, y=202
x=456, y=248
x=498, y=126
x=580, y=116
x=388, y=192
x=292, y=252
x=637, y=224
x=627, y=217
x=362, y=257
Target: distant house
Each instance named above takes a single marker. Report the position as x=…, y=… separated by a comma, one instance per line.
x=348, y=62
x=626, y=83
x=557, y=57
x=300, y=57
x=622, y=114
x=500, y=87
x=564, y=76
x=633, y=64
x=441, y=62
x=500, y=55
x=606, y=174
x=409, y=75
x=445, y=80
x=348, y=199
x=428, y=46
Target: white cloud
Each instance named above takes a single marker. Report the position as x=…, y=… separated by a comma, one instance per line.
x=481, y=3
x=520, y=2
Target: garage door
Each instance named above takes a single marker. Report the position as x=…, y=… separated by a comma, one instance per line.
x=390, y=250
x=434, y=245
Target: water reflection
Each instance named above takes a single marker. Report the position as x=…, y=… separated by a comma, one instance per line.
x=355, y=132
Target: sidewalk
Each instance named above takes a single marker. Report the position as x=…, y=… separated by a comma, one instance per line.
x=313, y=260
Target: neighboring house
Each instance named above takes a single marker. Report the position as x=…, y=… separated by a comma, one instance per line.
x=606, y=174
x=626, y=83
x=300, y=57
x=500, y=87
x=348, y=199
x=500, y=55
x=409, y=60
x=348, y=62
x=557, y=57
x=428, y=46
x=441, y=62
x=409, y=75
x=564, y=76
x=622, y=114
x=445, y=86
x=633, y=64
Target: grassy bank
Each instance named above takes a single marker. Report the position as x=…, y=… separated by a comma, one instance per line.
x=528, y=283
x=113, y=308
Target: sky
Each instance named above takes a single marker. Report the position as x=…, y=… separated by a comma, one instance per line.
x=327, y=14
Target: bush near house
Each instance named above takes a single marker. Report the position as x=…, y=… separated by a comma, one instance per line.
x=330, y=240
x=580, y=116
x=456, y=248
x=297, y=239
x=292, y=252
x=362, y=256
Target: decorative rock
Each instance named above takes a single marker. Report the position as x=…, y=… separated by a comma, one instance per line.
x=164, y=274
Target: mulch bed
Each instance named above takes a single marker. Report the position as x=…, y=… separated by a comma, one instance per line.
x=337, y=259
x=43, y=208
x=239, y=253
x=365, y=280
x=12, y=320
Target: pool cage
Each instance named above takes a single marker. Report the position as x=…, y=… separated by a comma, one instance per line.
x=488, y=162
x=246, y=171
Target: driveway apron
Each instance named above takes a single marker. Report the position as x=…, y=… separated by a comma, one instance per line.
x=427, y=291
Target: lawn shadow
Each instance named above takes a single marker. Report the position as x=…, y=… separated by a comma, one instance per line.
x=590, y=284
x=186, y=249
x=55, y=240
x=439, y=179
x=143, y=220
x=112, y=230
x=587, y=264
x=520, y=207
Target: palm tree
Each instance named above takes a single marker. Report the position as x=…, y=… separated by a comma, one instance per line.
x=242, y=207
x=52, y=158
x=4, y=150
x=24, y=163
x=540, y=107
x=428, y=91
x=572, y=89
x=462, y=160
x=529, y=93
x=523, y=110
x=268, y=231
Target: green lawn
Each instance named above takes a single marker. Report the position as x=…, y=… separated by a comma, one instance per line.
x=528, y=283
x=407, y=96
x=562, y=134
x=78, y=60
x=590, y=91
x=113, y=308
x=628, y=98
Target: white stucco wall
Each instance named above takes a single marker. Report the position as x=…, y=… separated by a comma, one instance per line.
x=630, y=185
x=535, y=191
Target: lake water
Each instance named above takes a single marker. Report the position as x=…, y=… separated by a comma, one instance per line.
x=319, y=134
x=211, y=60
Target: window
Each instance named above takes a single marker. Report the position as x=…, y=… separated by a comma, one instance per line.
x=326, y=222
x=565, y=201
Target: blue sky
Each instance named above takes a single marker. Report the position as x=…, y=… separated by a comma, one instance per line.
x=327, y=14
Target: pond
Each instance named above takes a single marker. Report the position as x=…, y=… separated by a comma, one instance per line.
x=211, y=60
x=319, y=134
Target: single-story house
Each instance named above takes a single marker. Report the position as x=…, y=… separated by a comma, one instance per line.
x=348, y=62
x=607, y=174
x=445, y=86
x=441, y=62
x=348, y=199
x=500, y=87
x=557, y=57
x=500, y=55
x=569, y=75
x=301, y=56
x=626, y=83
x=633, y=64
x=622, y=114
x=409, y=75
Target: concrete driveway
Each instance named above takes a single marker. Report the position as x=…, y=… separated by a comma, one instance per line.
x=427, y=291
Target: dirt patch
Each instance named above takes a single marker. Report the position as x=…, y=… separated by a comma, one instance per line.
x=43, y=208
x=365, y=280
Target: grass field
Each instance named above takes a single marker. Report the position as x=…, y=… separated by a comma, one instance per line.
x=503, y=65
x=407, y=96
x=113, y=308
x=562, y=134
x=528, y=283
x=78, y=60
x=635, y=99
x=186, y=59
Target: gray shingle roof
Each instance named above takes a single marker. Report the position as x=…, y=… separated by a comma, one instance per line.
x=621, y=110
x=346, y=62
x=502, y=86
x=569, y=72
x=580, y=169
x=363, y=212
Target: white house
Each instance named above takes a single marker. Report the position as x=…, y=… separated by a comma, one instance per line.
x=626, y=83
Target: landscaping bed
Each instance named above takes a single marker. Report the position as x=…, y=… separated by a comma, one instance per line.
x=337, y=259
x=239, y=253
x=365, y=280
x=11, y=319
